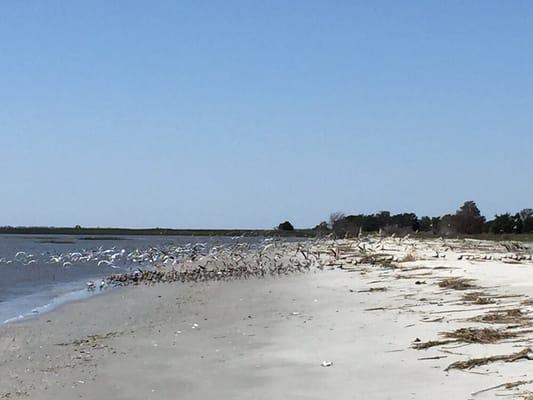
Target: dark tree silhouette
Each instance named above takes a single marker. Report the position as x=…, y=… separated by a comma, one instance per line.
x=425, y=224
x=503, y=223
x=384, y=218
x=446, y=225
x=468, y=219
x=435, y=224
x=285, y=226
x=526, y=217
x=526, y=213
x=322, y=227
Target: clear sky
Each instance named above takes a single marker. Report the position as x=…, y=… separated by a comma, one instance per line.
x=230, y=114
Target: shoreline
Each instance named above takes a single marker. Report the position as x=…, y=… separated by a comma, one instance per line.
x=38, y=272
x=98, y=233
x=267, y=338
x=54, y=303
x=308, y=233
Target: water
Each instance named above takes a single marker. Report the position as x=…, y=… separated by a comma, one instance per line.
x=40, y=272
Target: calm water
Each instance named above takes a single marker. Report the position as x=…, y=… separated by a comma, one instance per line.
x=38, y=273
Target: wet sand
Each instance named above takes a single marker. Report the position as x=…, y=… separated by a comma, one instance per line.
x=266, y=338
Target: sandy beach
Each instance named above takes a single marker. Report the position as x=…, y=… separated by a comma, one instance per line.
x=397, y=318
x=266, y=200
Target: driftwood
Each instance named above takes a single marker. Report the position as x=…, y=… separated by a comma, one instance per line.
x=468, y=335
x=507, y=385
x=432, y=358
x=431, y=343
x=374, y=289
x=480, y=335
x=476, y=362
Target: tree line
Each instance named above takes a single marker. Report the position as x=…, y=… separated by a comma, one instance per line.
x=467, y=220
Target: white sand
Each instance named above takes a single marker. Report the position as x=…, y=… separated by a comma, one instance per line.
x=267, y=338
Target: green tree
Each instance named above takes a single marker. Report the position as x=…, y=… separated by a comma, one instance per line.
x=503, y=223
x=322, y=227
x=425, y=224
x=468, y=219
x=526, y=216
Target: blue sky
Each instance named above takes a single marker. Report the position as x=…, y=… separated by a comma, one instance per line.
x=231, y=114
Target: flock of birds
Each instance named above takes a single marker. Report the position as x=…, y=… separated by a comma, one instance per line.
x=239, y=261
x=112, y=257
x=190, y=262
x=274, y=258
x=195, y=262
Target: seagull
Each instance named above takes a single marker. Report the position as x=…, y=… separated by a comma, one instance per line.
x=90, y=285
x=104, y=262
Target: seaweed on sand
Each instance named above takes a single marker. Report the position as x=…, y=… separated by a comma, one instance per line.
x=468, y=335
x=479, y=335
x=456, y=284
x=512, y=316
x=507, y=386
x=479, y=298
x=373, y=289
x=417, y=345
x=476, y=362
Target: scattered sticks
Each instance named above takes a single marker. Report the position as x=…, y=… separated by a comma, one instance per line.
x=476, y=362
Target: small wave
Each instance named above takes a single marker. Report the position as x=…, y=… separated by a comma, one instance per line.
x=74, y=295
